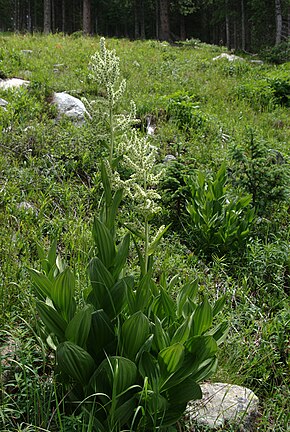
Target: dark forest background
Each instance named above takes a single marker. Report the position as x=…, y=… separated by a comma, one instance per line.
x=239, y=24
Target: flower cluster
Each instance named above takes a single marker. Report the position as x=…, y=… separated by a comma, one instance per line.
x=105, y=71
x=139, y=157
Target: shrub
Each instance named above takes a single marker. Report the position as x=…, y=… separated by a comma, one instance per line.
x=277, y=54
x=218, y=222
x=262, y=172
x=184, y=109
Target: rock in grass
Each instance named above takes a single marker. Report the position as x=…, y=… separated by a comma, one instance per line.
x=229, y=57
x=223, y=404
x=11, y=83
x=70, y=106
x=3, y=103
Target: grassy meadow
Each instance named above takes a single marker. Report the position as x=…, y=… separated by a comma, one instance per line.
x=207, y=114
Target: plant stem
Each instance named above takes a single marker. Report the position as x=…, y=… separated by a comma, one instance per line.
x=111, y=137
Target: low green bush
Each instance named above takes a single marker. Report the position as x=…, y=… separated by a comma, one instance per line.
x=218, y=222
x=260, y=171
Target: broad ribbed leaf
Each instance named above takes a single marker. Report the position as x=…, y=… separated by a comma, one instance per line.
x=181, y=333
x=41, y=283
x=53, y=321
x=75, y=362
x=219, y=333
x=186, y=391
x=105, y=243
x=78, y=328
x=125, y=412
x=149, y=367
x=199, y=349
x=101, y=336
x=206, y=370
x=161, y=339
x=135, y=332
x=153, y=246
x=121, y=256
x=219, y=304
x=170, y=359
x=117, y=198
x=116, y=371
x=101, y=281
x=203, y=347
x=202, y=319
x=115, y=299
x=188, y=291
x=62, y=294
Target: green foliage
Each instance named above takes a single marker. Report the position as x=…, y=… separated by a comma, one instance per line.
x=184, y=109
x=261, y=171
x=278, y=54
x=119, y=357
x=219, y=223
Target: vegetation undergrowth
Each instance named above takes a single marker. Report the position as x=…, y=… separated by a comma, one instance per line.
x=56, y=177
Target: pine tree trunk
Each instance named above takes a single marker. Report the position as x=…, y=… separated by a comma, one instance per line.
x=142, y=20
x=164, y=20
x=243, y=25
x=136, y=20
x=157, y=19
x=278, y=15
x=87, y=16
x=228, y=42
x=63, y=16
x=182, y=27
x=47, y=16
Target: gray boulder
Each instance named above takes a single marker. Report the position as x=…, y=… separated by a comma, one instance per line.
x=229, y=57
x=11, y=83
x=223, y=404
x=3, y=103
x=70, y=106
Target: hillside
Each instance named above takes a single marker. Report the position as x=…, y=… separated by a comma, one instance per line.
x=224, y=129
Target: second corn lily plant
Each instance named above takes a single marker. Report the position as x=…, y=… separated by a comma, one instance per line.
x=131, y=356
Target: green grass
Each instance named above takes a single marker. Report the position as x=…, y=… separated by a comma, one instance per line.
x=53, y=167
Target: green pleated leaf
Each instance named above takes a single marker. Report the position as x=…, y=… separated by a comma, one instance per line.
x=101, y=281
x=188, y=291
x=143, y=293
x=125, y=412
x=218, y=306
x=161, y=339
x=203, y=347
x=153, y=246
x=42, y=285
x=101, y=336
x=116, y=372
x=182, y=333
x=170, y=359
x=121, y=256
x=173, y=414
x=186, y=391
x=134, y=334
x=117, y=198
x=202, y=319
x=78, y=328
x=75, y=362
x=53, y=321
x=220, y=332
x=62, y=294
x=105, y=243
x=115, y=300
x=206, y=370
x=149, y=367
